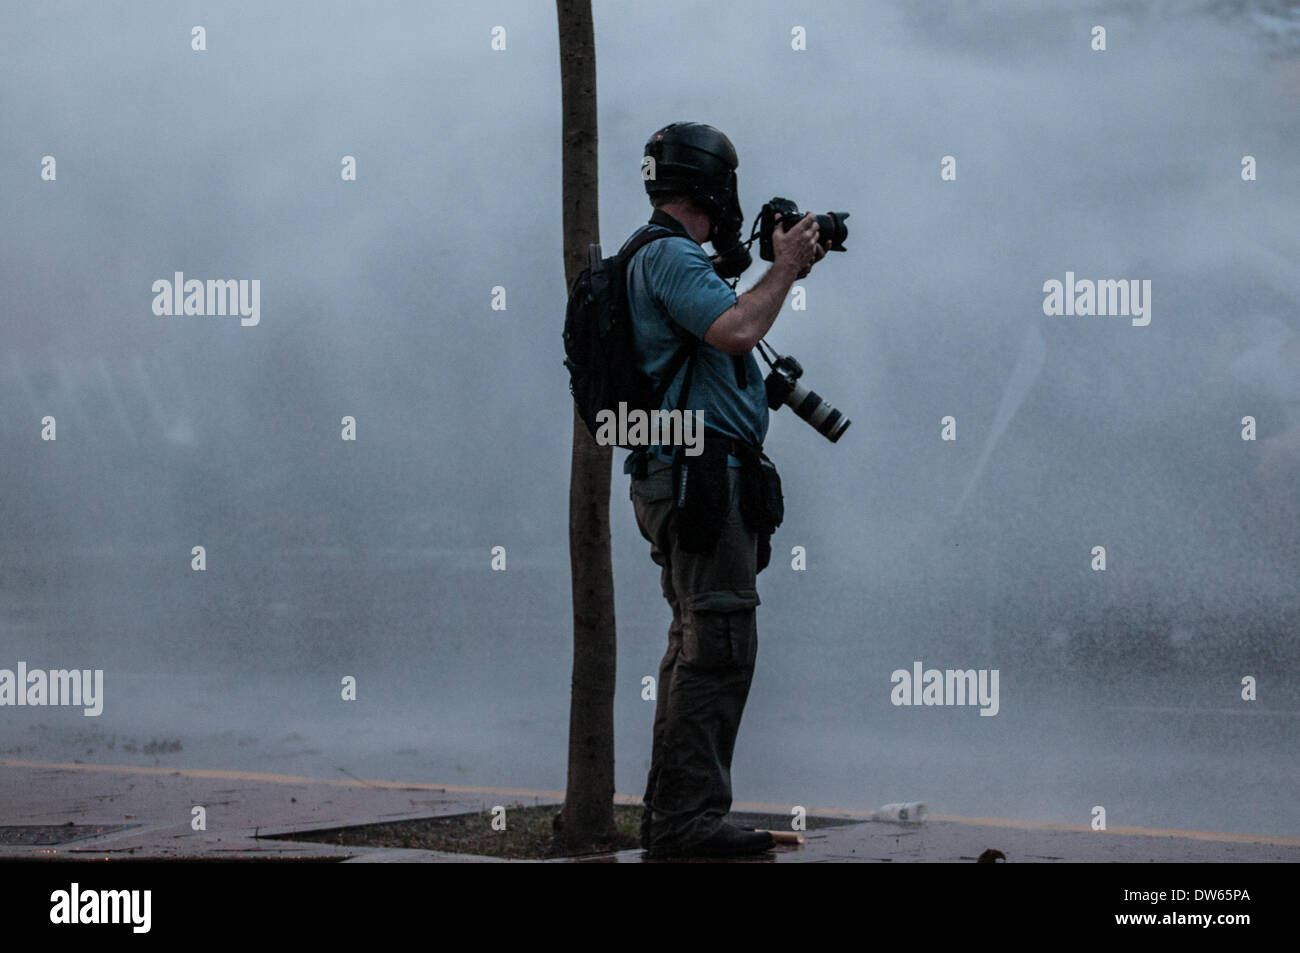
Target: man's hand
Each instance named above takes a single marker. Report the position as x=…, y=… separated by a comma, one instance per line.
x=794, y=250
x=743, y=325
x=822, y=249
x=798, y=249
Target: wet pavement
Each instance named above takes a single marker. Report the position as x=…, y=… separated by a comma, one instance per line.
x=110, y=811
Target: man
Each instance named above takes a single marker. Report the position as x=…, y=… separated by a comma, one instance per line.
x=677, y=301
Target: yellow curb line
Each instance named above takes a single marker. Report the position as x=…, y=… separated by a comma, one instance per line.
x=750, y=806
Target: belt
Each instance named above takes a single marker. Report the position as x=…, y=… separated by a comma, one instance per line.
x=637, y=460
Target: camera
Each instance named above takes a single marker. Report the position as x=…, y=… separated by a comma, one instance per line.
x=831, y=226
x=783, y=387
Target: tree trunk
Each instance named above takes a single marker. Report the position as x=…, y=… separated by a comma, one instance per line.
x=588, y=815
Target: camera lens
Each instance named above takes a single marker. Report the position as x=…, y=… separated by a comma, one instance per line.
x=824, y=418
x=831, y=225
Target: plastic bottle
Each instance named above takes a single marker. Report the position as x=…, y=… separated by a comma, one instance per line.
x=907, y=812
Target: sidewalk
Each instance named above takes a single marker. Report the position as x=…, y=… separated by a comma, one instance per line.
x=145, y=813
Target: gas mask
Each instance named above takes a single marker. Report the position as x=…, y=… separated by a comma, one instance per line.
x=733, y=256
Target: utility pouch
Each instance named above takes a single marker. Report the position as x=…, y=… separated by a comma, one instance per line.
x=762, y=505
x=761, y=502
x=701, y=495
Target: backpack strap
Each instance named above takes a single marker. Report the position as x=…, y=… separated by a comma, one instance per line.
x=640, y=240
x=664, y=220
x=664, y=225
x=694, y=351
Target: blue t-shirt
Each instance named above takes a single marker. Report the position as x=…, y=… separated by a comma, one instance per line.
x=673, y=292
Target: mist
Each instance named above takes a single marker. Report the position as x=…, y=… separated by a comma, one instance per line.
x=371, y=558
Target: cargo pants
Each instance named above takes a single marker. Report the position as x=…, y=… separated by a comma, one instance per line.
x=705, y=675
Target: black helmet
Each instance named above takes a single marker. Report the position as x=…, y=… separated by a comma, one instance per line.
x=699, y=161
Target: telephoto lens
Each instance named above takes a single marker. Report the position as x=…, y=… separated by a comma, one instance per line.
x=783, y=387
x=824, y=418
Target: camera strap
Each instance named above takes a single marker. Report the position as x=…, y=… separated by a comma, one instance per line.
x=679, y=484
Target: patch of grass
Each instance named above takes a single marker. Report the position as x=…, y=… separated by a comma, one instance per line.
x=528, y=834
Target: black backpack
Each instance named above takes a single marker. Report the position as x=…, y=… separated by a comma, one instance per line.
x=598, y=346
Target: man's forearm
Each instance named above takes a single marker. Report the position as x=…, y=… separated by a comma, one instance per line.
x=738, y=329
